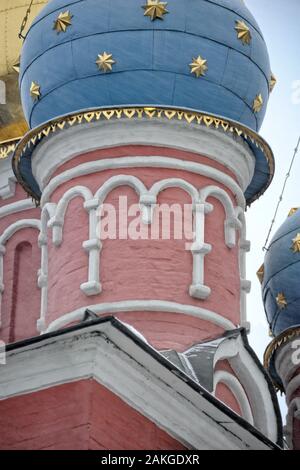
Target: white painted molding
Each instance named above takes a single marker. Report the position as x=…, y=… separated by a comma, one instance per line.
x=180, y=183
x=48, y=212
x=104, y=354
x=16, y=207
x=120, y=180
x=143, y=162
x=93, y=247
x=253, y=382
x=57, y=221
x=199, y=250
x=142, y=305
x=230, y=151
x=16, y=226
x=6, y=235
x=231, y=223
x=232, y=383
x=244, y=248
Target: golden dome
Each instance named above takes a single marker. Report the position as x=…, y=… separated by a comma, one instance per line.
x=12, y=13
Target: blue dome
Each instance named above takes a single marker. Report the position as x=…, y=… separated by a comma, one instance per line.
x=152, y=59
x=281, y=292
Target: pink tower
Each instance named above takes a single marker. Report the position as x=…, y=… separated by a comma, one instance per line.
x=123, y=294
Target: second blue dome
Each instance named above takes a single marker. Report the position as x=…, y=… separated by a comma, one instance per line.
x=281, y=292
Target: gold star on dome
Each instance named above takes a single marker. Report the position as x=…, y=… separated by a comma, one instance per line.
x=260, y=273
x=105, y=62
x=16, y=65
x=272, y=82
x=281, y=301
x=258, y=103
x=293, y=211
x=155, y=9
x=62, y=22
x=243, y=32
x=296, y=244
x=198, y=66
x=35, y=91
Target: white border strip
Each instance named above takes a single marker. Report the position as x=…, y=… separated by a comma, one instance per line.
x=15, y=207
x=142, y=305
x=143, y=162
x=226, y=149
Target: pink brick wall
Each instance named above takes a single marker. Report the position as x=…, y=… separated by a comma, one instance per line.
x=77, y=416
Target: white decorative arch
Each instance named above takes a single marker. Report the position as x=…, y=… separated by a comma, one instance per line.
x=15, y=207
x=231, y=223
x=232, y=383
x=93, y=246
x=175, y=183
x=58, y=220
x=148, y=200
x=120, y=180
x=6, y=235
x=15, y=227
x=253, y=380
x=199, y=248
x=88, y=168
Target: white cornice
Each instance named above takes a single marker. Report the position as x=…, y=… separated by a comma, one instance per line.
x=231, y=152
x=109, y=356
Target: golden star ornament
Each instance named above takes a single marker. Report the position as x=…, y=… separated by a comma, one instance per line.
x=258, y=103
x=62, y=22
x=35, y=91
x=105, y=62
x=16, y=65
x=260, y=273
x=198, y=66
x=272, y=82
x=293, y=211
x=155, y=9
x=296, y=244
x=281, y=301
x=243, y=32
